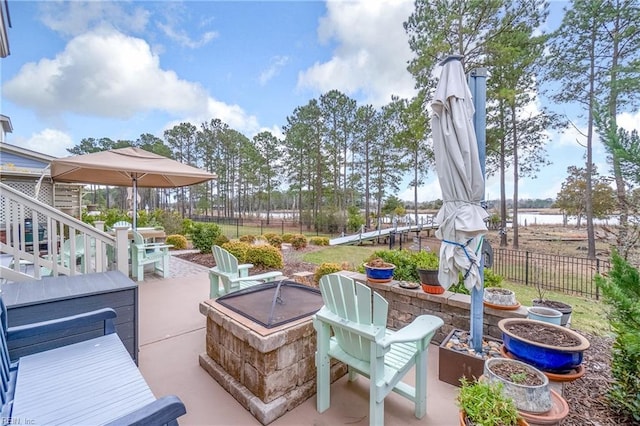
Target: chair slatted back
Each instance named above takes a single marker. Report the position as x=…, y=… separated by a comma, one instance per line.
x=225, y=261
x=357, y=304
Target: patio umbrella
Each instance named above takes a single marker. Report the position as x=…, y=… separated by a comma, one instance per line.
x=127, y=167
x=461, y=218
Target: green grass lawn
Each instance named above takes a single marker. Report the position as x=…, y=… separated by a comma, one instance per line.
x=589, y=315
x=353, y=255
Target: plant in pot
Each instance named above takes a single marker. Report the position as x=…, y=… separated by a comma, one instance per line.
x=483, y=403
x=378, y=271
x=427, y=267
x=548, y=347
x=529, y=388
x=564, y=308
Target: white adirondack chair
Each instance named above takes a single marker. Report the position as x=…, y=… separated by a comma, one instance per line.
x=146, y=253
x=234, y=276
x=351, y=328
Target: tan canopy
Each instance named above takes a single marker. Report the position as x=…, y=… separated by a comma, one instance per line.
x=127, y=167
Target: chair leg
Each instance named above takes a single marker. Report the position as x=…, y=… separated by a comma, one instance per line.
x=323, y=369
x=139, y=272
x=421, y=384
x=214, y=286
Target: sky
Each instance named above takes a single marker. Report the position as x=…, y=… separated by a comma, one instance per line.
x=124, y=68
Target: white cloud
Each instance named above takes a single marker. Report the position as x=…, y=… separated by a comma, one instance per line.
x=371, y=54
x=77, y=17
x=182, y=38
x=48, y=141
x=277, y=62
x=629, y=121
x=105, y=73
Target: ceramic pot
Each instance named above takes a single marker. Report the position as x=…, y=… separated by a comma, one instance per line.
x=546, y=357
x=532, y=398
x=428, y=276
x=540, y=313
x=499, y=296
x=379, y=275
x=558, y=306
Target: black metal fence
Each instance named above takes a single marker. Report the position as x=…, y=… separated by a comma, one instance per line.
x=236, y=227
x=572, y=275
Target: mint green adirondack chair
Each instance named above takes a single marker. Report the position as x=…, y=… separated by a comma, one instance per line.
x=232, y=275
x=143, y=253
x=351, y=328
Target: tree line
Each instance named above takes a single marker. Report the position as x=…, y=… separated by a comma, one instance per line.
x=336, y=154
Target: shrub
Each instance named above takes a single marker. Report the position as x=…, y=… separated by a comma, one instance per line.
x=621, y=292
x=248, y=238
x=237, y=248
x=319, y=241
x=404, y=260
x=172, y=222
x=266, y=256
x=221, y=239
x=325, y=269
x=298, y=241
x=485, y=404
x=187, y=226
x=273, y=239
x=427, y=260
x=204, y=236
x=287, y=237
x=179, y=242
x=491, y=279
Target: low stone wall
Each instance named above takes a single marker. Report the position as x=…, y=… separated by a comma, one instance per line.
x=454, y=308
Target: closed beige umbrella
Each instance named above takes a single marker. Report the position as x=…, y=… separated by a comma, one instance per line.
x=127, y=167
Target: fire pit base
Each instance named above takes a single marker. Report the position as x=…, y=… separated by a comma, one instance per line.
x=269, y=371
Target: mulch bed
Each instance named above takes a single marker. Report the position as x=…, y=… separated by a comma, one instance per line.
x=586, y=396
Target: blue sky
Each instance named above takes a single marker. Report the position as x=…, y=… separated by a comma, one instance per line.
x=120, y=69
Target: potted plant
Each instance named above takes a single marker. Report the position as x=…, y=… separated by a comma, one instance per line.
x=500, y=298
x=378, y=271
x=546, y=346
x=483, y=403
x=564, y=308
x=427, y=268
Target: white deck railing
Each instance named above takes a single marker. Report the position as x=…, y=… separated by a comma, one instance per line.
x=49, y=242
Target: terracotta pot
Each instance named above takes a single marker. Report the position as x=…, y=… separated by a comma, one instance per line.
x=546, y=357
x=463, y=420
x=432, y=289
x=532, y=398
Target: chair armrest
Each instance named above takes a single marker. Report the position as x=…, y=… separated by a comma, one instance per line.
x=419, y=328
x=258, y=277
x=245, y=266
x=28, y=330
x=161, y=411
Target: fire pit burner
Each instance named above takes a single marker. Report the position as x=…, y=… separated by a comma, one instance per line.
x=274, y=303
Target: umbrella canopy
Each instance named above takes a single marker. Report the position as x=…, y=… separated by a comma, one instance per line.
x=120, y=167
x=127, y=167
x=461, y=218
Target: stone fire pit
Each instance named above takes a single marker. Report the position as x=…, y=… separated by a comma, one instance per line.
x=268, y=370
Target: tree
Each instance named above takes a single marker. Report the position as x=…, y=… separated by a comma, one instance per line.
x=269, y=150
x=515, y=55
x=572, y=199
x=181, y=139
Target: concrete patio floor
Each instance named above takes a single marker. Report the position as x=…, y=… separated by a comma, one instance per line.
x=172, y=335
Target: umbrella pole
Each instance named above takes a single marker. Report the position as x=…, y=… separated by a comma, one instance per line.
x=478, y=87
x=134, y=218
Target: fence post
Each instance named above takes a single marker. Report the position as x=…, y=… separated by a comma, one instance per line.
x=237, y=228
x=526, y=269
x=597, y=272
x=282, y=228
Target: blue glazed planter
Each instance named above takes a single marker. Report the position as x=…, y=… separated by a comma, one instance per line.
x=554, y=359
x=378, y=274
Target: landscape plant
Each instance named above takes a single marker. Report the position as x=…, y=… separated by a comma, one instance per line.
x=237, y=248
x=298, y=241
x=325, y=269
x=204, y=235
x=485, y=404
x=265, y=255
x=319, y=241
x=179, y=242
x=621, y=291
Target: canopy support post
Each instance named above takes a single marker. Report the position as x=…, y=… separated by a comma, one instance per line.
x=134, y=218
x=478, y=87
